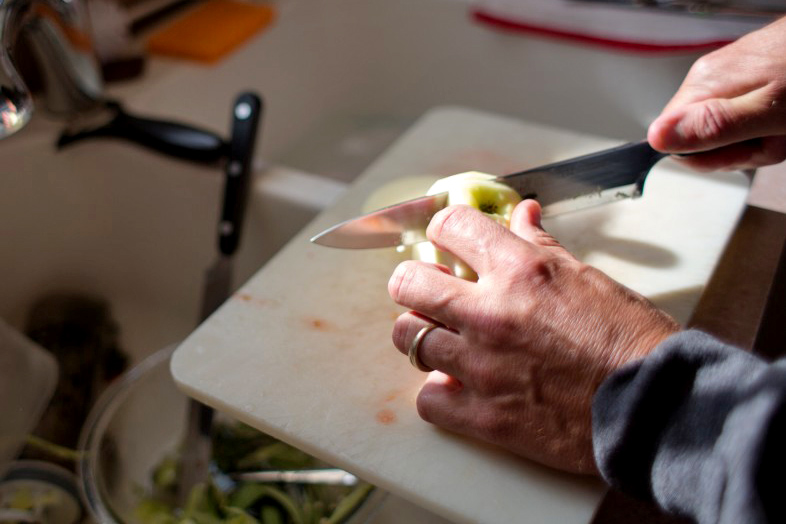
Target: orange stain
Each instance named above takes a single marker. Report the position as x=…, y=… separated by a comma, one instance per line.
x=262, y=302
x=386, y=417
x=392, y=396
x=318, y=324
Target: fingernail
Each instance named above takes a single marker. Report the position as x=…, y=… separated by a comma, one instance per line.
x=667, y=132
x=535, y=214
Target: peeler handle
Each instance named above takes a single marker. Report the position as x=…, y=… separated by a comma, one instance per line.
x=168, y=137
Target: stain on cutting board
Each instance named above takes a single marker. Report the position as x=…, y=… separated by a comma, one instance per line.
x=318, y=324
x=262, y=302
x=386, y=416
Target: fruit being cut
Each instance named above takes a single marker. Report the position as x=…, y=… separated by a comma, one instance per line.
x=479, y=190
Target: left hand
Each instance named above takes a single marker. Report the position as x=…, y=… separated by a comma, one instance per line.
x=731, y=107
x=521, y=351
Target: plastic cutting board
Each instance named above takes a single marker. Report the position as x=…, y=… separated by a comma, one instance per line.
x=302, y=351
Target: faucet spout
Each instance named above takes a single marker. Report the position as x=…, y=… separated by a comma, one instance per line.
x=58, y=32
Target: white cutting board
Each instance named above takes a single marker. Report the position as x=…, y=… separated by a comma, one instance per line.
x=303, y=350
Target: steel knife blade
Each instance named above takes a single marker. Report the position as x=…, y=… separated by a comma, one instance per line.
x=569, y=185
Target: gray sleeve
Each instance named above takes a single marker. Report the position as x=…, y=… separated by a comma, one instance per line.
x=699, y=427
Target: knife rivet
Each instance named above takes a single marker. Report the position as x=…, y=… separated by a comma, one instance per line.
x=226, y=228
x=242, y=111
x=234, y=168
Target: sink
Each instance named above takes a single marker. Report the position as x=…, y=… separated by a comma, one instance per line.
x=132, y=227
x=138, y=231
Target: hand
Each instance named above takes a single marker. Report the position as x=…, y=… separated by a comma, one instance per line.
x=521, y=351
x=732, y=101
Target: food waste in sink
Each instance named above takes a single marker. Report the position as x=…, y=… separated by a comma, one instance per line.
x=130, y=451
x=240, y=448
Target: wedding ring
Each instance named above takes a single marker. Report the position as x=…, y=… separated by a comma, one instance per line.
x=415, y=346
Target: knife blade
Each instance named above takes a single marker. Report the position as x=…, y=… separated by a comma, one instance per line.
x=337, y=477
x=569, y=185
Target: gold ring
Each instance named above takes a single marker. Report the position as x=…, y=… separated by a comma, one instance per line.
x=415, y=345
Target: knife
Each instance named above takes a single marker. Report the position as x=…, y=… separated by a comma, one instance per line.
x=337, y=477
x=586, y=181
x=246, y=111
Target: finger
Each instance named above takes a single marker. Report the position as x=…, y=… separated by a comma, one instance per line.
x=442, y=401
x=525, y=222
x=744, y=155
x=442, y=349
x=717, y=122
x=429, y=290
x=471, y=236
x=526, y=216
x=445, y=402
x=708, y=78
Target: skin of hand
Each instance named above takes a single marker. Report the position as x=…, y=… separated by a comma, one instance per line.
x=520, y=352
x=732, y=101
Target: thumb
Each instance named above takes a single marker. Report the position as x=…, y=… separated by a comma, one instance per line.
x=525, y=223
x=716, y=122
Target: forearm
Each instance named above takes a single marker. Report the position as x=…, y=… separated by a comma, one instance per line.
x=697, y=426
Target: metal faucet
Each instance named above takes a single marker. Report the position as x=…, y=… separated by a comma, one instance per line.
x=58, y=32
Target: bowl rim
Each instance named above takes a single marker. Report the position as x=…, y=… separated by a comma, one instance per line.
x=96, y=422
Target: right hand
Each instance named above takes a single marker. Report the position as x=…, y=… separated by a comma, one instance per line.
x=731, y=105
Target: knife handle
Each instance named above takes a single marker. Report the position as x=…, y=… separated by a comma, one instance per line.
x=246, y=113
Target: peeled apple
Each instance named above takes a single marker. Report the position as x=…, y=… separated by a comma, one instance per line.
x=478, y=190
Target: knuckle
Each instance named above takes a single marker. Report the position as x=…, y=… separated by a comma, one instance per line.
x=445, y=220
x=704, y=67
x=711, y=121
x=546, y=239
x=401, y=281
x=542, y=269
x=455, y=223
x=401, y=331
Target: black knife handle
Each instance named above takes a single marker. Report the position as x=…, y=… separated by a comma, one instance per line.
x=246, y=113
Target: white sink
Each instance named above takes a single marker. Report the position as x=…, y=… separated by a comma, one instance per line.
x=138, y=230
x=114, y=221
